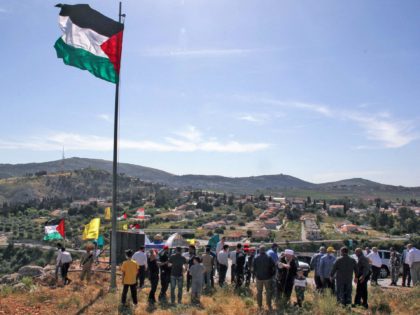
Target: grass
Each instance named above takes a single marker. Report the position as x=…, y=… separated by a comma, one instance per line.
x=71, y=299
x=290, y=232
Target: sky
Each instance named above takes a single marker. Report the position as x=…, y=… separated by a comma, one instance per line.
x=321, y=90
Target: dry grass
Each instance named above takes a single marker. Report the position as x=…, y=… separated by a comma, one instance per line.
x=69, y=300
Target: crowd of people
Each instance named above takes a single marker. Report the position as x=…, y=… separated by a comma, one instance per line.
x=275, y=273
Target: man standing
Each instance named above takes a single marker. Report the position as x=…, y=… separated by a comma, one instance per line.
x=141, y=259
x=222, y=259
x=414, y=263
x=362, y=278
x=272, y=252
x=406, y=268
x=376, y=262
x=314, y=264
x=264, y=269
x=249, y=267
x=240, y=266
x=129, y=271
x=343, y=270
x=86, y=263
x=165, y=273
x=177, y=263
x=57, y=265
x=286, y=273
x=394, y=263
x=208, y=263
x=232, y=256
x=191, y=255
x=325, y=266
x=65, y=261
x=153, y=265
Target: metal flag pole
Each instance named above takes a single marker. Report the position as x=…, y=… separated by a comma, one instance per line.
x=114, y=181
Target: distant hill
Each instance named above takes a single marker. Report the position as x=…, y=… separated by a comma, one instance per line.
x=289, y=185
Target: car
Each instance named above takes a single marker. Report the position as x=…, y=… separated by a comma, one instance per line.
x=385, y=256
x=305, y=267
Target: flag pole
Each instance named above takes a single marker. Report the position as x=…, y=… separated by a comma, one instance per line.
x=114, y=182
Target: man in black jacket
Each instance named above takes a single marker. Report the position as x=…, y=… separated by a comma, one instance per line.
x=363, y=273
x=343, y=269
x=264, y=269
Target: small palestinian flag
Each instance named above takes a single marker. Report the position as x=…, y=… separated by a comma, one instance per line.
x=54, y=230
x=123, y=217
x=90, y=41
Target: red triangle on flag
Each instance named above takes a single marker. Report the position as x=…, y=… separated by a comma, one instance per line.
x=61, y=228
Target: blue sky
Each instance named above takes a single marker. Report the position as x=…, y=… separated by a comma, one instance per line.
x=321, y=90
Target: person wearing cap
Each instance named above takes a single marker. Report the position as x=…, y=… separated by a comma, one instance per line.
x=165, y=272
x=325, y=266
x=129, y=270
x=264, y=269
x=362, y=278
x=343, y=270
x=286, y=273
x=314, y=264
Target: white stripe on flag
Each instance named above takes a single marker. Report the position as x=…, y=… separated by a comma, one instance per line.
x=84, y=38
x=49, y=229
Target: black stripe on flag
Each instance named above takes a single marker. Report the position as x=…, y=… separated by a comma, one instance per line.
x=85, y=17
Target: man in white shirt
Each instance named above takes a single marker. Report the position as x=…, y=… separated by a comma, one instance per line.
x=141, y=258
x=65, y=261
x=376, y=263
x=223, y=260
x=413, y=260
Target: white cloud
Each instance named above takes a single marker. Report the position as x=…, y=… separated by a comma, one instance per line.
x=189, y=140
x=105, y=117
x=258, y=119
x=390, y=132
x=381, y=127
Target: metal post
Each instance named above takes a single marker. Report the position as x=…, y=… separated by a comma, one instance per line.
x=114, y=184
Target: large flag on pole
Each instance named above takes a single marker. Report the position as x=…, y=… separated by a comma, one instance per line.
x=54, y=230
x=91, y=231
x=90, y=41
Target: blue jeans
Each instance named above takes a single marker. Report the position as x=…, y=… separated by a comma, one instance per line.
x=174, y=282
x=207, y=278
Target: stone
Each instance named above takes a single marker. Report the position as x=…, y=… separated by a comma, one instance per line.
x=20, y=287
x=10, y=279
x=31, y=271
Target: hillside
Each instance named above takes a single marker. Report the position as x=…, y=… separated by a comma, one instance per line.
x=281, y=183
x=75, y=185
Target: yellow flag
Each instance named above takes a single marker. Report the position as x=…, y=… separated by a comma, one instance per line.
x=107, y=213
x=91, y=231
x=125, y=227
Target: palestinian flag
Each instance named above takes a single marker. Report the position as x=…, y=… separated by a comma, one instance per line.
x=123, y=217
x=54, y=230
x=90, y=41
